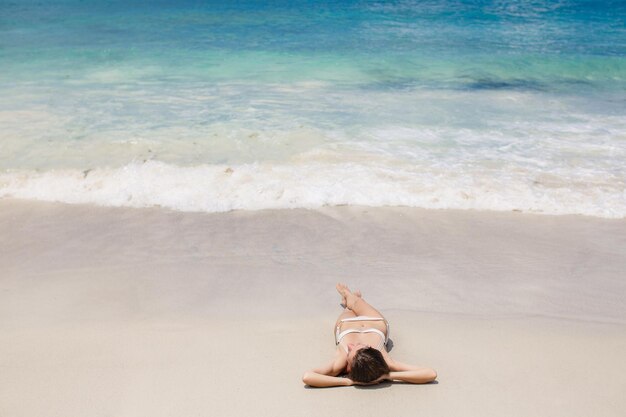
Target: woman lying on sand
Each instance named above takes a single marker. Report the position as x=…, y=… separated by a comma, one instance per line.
x=361, y=335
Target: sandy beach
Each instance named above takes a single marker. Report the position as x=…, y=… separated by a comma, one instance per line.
x=149, y=312
x=183, y=184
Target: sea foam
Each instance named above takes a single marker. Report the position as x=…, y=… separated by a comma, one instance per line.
x=220, y=188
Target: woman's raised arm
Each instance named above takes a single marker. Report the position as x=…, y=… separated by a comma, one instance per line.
x=318, y=380
x=326, y=375
x=410, y=373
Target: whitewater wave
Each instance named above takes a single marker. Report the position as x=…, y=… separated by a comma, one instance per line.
x=219, y=188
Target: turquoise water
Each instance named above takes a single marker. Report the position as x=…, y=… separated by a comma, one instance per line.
x=208, y=106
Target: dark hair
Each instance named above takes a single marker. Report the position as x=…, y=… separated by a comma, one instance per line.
x=367, y=365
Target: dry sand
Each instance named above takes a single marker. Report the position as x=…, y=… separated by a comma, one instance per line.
x=148, y=312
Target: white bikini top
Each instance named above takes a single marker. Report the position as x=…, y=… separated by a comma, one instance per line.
x=383, y=339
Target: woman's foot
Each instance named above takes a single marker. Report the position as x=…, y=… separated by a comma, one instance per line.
x=347, y=297
x=343, y=291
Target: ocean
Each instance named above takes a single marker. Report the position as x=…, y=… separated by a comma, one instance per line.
x=216, y=106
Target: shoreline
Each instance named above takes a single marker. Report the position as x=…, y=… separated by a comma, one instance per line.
x=120, y=311
x=453, y=261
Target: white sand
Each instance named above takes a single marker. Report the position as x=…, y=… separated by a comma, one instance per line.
x=123, y=312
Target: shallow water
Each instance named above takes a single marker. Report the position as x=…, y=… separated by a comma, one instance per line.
x=209, y=106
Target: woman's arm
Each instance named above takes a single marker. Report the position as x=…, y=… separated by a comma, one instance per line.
x=315, y=379
x=422, y=376
x=326, y=375
x=410, y=373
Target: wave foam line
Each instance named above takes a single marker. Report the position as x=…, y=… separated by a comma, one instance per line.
x=256, y=187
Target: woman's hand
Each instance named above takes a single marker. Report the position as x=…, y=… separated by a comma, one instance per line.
x=410, y=373
x=376, y=381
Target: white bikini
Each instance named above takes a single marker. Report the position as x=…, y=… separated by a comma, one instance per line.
x=383, y=339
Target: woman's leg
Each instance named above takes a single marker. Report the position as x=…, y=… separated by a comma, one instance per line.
x=346, y=313
x=355, y=303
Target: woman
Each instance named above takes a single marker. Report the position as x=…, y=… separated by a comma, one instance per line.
x=361, y=335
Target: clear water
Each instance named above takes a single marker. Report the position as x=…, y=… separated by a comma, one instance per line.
x=192, y=105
